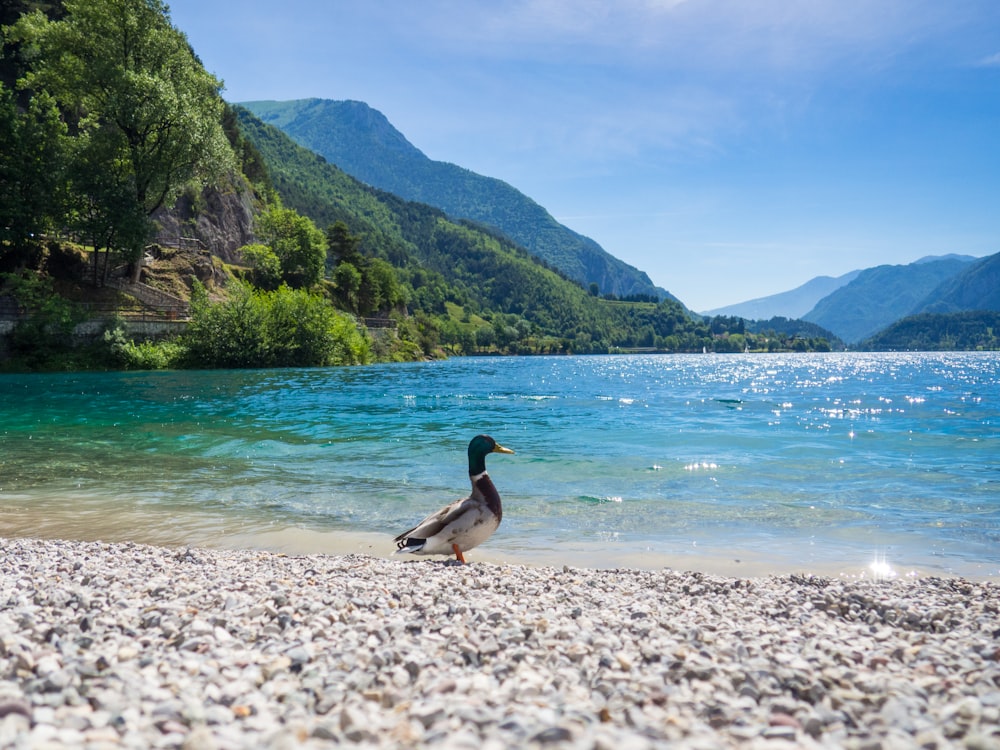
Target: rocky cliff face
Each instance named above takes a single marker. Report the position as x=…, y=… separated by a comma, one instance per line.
x=220, y=218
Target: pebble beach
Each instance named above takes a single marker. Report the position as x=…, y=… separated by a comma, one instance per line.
x=133, y=646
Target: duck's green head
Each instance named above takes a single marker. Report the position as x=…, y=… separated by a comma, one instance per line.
x=480, y=446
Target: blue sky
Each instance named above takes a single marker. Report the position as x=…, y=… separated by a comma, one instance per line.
x=729, y=148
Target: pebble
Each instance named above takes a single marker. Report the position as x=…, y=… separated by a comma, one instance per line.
x=132, y=646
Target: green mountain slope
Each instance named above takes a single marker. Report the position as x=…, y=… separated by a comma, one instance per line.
x=977, y=287
x=964, y=331
x=362, y=142
x=879, y=296
x=450, y=264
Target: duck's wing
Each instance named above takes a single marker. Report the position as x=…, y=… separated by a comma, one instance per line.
x=455, y=514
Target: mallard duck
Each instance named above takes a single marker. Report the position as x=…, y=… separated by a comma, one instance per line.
x=466, y=523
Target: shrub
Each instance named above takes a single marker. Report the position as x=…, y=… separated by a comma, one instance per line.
x=283, y=328
x=142, y=355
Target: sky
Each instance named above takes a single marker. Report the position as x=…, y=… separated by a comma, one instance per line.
x=731, y=149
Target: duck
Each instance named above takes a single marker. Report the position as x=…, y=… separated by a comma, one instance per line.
x=465, y=523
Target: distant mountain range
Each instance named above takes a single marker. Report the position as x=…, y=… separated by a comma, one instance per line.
x=362, y=142
x=854, y=306
x=878, y=297
x=861, y=303
x=791, y=304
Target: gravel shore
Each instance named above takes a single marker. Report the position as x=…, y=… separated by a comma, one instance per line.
x=125, y=645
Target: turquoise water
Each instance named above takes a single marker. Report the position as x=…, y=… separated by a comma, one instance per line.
x=766, y=463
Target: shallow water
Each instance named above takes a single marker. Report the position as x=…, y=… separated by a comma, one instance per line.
x=762, y=463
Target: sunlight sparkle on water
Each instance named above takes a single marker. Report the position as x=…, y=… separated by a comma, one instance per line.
x=703, y=465
x=881, y=569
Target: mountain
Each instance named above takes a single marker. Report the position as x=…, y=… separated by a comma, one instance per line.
x=791, y=304
x=478, y=283
x=362, y=142
x=948, y=256
x=879, y=296
x=977, y=287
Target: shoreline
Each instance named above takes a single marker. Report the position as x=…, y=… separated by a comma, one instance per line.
x=129, y=645
x=162, y=527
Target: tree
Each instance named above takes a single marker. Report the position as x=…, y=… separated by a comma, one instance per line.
x=298, y=243
x=347, y=281
x=364, y=285
x=343, y=245
x=265, y=265
x=135, y=94
x=230, y=333
x=32, y=167
x=380, y=288
x=103, y=207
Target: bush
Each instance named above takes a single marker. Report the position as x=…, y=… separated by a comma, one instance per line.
x=283, y=328
x=144, y=355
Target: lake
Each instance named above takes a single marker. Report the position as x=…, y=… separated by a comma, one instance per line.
x=838, y=464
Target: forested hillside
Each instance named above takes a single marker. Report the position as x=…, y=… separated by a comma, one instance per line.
x=965, y=331
x=114, y=141
x=976, y=287
x=109, y=123
x=362, y=142
x=106, y=117
x=489, y=291
x=962, y=313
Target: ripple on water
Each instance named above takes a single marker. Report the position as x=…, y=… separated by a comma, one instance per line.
x=810, y=456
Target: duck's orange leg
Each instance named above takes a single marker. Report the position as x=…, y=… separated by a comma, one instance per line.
x=458, y=554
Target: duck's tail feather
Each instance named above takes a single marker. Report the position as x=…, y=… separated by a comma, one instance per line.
x=409, y=544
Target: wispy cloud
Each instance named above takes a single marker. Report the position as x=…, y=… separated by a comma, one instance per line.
x=992, y=61
x=717, y=35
